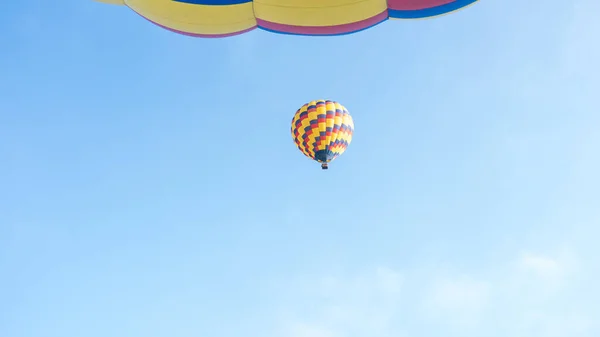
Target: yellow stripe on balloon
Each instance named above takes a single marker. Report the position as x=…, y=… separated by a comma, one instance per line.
x=196, y=19
x=312, y=138
x=317, y=13
x=321, y=110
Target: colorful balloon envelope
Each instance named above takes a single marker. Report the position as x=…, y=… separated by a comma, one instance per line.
x=220, y=18
x=322, y=130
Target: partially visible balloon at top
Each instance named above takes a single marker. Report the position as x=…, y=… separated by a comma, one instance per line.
x=222, y=18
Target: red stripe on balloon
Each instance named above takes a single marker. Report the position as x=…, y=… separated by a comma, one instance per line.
x=411, y=5
x=198, y=35
x=323, y=30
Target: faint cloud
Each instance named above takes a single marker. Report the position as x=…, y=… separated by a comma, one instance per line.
x=564, y=325
x=340, y=307
x=545, y=273
x=528, y=295
x=541, y=265
x=459, y=295
x=459, y=300
x=390, y=281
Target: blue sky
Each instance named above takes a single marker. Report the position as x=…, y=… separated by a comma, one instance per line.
x=149, y=185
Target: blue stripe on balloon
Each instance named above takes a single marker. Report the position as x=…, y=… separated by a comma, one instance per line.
x=214, y=2
x=427, y=12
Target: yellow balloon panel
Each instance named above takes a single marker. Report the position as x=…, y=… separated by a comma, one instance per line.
x=219, y=18
x=196, y=19
x=317, y=13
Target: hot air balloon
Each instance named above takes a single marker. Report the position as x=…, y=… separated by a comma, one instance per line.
x=322, y=130
x=221, y=18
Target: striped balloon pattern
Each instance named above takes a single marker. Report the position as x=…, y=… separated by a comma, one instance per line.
x=322, y=130
x=221, y=18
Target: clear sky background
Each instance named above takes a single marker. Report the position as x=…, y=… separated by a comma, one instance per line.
x=149, y=186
